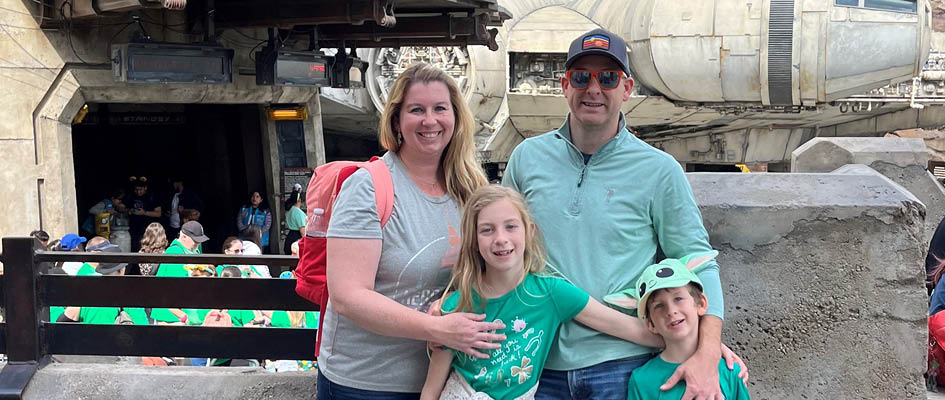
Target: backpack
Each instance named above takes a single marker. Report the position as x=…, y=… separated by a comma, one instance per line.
x=311, y=282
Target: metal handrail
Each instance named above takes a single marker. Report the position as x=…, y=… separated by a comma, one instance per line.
x=28, y=338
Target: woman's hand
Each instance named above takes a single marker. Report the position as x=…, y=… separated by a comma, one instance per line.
x=466, y=332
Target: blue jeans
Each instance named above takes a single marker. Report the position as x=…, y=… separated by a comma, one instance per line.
x=607, y=380
x=327, y=390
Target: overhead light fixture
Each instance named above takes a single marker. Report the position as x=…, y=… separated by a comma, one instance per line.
x=287, y=113
x=80, y=116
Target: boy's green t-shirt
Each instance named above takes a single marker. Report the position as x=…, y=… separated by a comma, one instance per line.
x=532, y=314
x=645, y=382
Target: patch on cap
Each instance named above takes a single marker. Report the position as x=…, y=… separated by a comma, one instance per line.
x=596, y=42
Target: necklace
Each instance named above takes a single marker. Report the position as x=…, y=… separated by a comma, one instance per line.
x=424, y=185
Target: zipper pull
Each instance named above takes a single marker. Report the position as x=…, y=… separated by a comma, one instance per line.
x=581, y=179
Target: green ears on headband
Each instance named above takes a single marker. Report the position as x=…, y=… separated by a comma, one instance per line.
x=668, y=273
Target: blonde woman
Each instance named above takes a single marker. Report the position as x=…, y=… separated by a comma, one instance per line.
x=382, y=281
x=154, y=241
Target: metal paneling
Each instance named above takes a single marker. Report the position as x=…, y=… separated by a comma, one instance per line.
x=855, y=48
x=780, y=47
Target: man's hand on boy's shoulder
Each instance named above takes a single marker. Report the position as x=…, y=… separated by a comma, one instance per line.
x=701, y=374
x=731, y=359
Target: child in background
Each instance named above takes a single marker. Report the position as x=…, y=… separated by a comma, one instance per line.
x=671, y=303
x=498, y=273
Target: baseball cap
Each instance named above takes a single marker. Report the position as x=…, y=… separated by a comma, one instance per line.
x=600, y=42
x=670, y=273
x=194, y=230
x=70, y=241
x=107, y=268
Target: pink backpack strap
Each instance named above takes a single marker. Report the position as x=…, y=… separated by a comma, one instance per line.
x=383, y=187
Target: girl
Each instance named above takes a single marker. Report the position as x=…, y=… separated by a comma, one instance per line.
x=154, y=241
x=294, y=220
x=498, y=273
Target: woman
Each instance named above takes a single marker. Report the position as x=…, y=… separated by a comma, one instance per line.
x=294, y=220
x=256, y=213
x=154, y=241
x=383, y=280
x=234, y=246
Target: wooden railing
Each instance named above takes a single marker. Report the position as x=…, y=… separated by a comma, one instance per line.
x=28, y=338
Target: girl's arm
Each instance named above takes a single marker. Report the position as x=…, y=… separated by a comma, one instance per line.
x=437, y=374
x=612, y=322
x=352, y=268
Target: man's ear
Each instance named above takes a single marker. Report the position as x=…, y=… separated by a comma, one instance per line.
x=628, y=88
x=564, y=82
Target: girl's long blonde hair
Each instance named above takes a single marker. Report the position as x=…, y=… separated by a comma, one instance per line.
x=470, y=268
x=460, y=167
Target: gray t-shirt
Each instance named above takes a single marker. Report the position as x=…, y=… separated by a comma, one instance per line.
x=420, y=246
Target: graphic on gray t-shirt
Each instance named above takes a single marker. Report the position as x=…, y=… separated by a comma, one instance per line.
x=420, y=245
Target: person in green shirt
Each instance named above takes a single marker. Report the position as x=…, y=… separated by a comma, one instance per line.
x=294, y=219
x=671, y=304
x=499, y=273
x=187, y=242
x=104, y=315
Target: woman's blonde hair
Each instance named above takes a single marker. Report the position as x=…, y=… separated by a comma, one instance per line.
x=154, y=239
x=470, y=268
x=460, y=167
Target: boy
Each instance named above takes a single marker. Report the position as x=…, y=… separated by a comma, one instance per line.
x=671, y=304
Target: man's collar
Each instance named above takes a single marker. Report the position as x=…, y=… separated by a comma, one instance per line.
x=565, y=129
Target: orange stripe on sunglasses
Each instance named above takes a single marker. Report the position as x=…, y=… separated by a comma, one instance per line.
x=607, y=79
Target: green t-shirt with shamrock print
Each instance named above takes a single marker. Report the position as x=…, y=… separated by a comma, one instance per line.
x=532, y=314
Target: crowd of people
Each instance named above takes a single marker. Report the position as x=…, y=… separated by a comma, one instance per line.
x=504, y=284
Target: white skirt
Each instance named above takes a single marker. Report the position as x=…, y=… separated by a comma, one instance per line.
x=458, y=389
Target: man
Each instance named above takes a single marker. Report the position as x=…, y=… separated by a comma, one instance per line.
x=183, y=199
x=73, y=242
x=188, y=241
x=606, y=202
x=97, y=244
x=143, y=209
x=103, y=315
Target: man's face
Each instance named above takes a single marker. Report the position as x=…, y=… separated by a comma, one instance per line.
x=140, y=190
x=178, y=186
x=594, y=106
x=189, y=243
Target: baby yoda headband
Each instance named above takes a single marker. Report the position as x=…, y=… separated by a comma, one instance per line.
x=669, y=273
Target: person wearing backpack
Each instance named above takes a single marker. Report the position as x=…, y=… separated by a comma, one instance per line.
x=383, y=277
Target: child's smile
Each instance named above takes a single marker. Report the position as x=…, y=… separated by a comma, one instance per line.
x=674, y=313
x=501, y=239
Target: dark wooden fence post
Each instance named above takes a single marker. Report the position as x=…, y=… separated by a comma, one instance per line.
x=22, y=323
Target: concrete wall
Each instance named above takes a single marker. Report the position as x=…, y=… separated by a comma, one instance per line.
x=36, y=171
x=110, y=381
x=903, y=160
x=822, y=275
